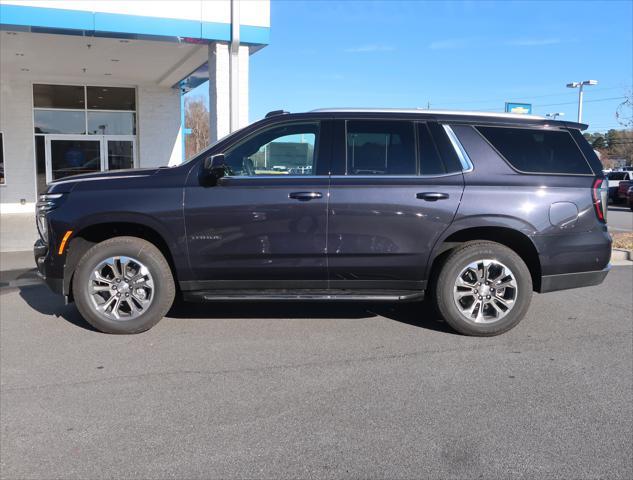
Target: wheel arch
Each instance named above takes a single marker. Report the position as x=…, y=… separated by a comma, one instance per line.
x=92, y=233
x=512, y=238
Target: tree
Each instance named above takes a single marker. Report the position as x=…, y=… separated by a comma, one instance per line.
x=599, y=143
x=197, y=120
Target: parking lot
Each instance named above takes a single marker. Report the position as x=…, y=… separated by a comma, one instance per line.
x=620, y=218
x=319, y=390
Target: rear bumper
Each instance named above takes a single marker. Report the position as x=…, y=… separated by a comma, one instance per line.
x=564, y=281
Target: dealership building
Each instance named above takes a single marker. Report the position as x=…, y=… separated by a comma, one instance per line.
x=98, y=85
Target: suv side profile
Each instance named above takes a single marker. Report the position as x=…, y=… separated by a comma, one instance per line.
x=473, y=211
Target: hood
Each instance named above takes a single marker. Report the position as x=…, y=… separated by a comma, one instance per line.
x=67, y=184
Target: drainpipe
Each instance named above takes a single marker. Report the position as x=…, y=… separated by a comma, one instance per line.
x=234, y=84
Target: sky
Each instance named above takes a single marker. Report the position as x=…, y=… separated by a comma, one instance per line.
x=469, y=55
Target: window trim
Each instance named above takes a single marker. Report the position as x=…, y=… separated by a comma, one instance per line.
x=548, y=128
x=242, y=140
x=462, y=154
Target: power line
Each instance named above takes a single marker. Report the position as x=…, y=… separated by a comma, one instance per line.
x=524, y=96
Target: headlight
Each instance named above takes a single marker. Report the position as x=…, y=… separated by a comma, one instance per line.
x=47, y=202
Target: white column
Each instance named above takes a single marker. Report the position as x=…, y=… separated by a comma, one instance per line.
x=219, y=91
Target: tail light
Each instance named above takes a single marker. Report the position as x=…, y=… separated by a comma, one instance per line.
x=599, y=194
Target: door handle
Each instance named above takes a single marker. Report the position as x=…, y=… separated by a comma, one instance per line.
x=305, y=196
x=432, y=196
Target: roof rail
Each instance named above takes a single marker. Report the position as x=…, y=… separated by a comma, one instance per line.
x=274, y=113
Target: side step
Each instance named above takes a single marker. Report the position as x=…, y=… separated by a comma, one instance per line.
x=303, y=295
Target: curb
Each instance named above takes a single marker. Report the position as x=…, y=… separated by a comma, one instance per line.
x=621, y=254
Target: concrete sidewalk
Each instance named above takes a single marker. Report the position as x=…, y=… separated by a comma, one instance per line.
x=17, y=232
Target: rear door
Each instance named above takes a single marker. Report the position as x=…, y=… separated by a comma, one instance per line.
x=263, y=225
x=392, y=194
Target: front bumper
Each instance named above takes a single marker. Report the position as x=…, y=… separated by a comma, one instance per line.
x=40, y=252
x=564, y=281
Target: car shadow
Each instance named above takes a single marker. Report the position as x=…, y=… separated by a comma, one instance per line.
x=417, y=314
x=42, y=300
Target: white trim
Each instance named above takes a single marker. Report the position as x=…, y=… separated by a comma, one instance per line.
x=16, y=208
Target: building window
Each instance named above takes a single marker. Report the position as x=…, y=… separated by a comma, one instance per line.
x=2, y=180
x=81, y=129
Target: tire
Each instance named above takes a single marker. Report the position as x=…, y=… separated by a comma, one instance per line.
x=149, y=295
x=457, y=266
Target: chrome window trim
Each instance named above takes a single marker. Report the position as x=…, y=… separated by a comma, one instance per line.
x=464, y=159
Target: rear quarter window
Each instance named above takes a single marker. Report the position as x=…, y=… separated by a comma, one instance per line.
x=537, y=150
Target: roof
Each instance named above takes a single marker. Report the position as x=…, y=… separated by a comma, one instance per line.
x=458, y=114
x=430, y=112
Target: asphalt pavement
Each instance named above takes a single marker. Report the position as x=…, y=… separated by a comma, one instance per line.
x=319, y=391
x=619, y=219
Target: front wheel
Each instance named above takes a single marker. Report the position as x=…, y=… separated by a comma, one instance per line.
x=483, y=289
x=123, y=285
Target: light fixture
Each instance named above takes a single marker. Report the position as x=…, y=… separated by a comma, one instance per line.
x=19, y=54
x=25, y=69
x=579, y=86
x=114, y=59
x=107, y=74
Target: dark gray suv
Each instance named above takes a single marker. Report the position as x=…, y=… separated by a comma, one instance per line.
x=472, y=211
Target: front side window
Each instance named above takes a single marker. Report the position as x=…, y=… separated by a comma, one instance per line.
x=377, y=147
x=281, y=150
x=537, y=150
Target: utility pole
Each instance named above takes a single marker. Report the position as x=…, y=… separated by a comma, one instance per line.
x=579, y=86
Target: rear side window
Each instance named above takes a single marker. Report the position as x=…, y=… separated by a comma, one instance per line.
x=538, y=151
x=430, y=161
x=380, y=148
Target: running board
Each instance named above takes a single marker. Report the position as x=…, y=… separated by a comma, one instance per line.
x=302, y=296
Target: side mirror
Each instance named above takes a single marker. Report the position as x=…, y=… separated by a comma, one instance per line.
x=214, y=168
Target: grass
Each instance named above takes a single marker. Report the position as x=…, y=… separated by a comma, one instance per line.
x=623, y=240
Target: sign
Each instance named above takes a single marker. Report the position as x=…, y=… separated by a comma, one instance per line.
x=521, y=108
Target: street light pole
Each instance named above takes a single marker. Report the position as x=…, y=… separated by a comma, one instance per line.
x=579, y=86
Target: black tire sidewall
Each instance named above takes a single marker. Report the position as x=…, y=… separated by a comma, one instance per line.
x=470, y=253
x=138, y=249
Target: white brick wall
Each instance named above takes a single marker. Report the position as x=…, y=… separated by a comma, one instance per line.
x=16, y=124
x=159, y=141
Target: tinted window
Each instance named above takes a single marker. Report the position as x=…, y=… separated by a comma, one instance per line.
x=445, y=147
x=58, y=96
x=430, y=161
x=380, y=148
x=537, y=151
x=618, y=176
x=1, y=158
x=282, y=150
x=111, y=98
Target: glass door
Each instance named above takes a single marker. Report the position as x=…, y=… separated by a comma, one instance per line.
x=72, y=154
x=68, y=155
x=119, y=152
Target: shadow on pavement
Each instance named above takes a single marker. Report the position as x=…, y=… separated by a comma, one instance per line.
x=41, y=299
x=418, y=314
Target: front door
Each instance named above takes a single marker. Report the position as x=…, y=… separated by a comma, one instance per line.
x=391, y=196
x=263, y=225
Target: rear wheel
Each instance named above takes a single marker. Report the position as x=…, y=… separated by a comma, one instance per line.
x=483, y=289
x=123, y=285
